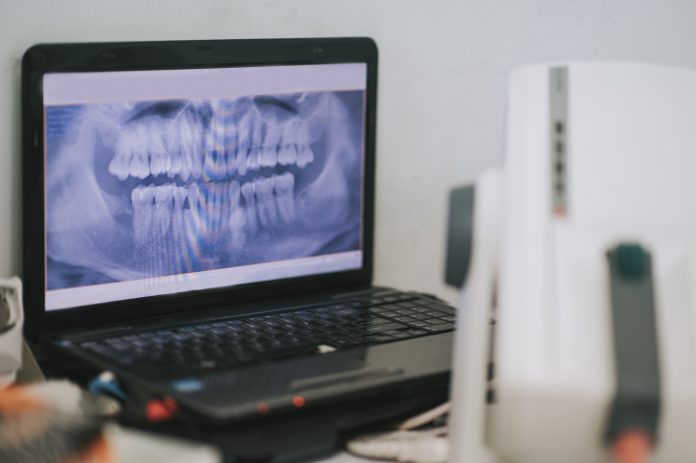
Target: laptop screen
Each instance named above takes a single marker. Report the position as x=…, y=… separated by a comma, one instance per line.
x=159, y=182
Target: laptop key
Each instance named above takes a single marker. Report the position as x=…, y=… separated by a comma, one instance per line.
x=380, y=337
x=438, y=328
x=442, y=308
x=387, y=327
x=419, y=324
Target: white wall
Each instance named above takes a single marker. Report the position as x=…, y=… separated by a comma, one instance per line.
x=442, y=81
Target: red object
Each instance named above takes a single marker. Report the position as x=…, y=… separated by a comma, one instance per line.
x=632, y=447
x=298, y=401
x=161, y=410
x=262, y=408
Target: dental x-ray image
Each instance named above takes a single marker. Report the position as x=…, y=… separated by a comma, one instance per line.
x=147, y=189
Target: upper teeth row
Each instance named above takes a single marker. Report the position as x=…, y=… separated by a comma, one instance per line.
x=182, y=148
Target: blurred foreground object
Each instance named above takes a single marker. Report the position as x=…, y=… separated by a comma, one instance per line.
x=51, y=422
x=56, y=421
x=581, y=250
x=11, y=323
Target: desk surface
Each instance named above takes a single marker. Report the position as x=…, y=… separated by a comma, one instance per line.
x=131, y=445
x=345, y=457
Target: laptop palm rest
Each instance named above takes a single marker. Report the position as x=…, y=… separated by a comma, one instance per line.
x=235, y=394
x=344, y=377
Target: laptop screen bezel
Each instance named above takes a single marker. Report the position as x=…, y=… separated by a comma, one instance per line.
x=94, y=57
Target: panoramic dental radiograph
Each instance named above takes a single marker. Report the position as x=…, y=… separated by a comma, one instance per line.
x=148, y=189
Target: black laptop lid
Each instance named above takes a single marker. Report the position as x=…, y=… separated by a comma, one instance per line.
x=160, y=177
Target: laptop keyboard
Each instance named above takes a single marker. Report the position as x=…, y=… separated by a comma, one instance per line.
x=234, y=342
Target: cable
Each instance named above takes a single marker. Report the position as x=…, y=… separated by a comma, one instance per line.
x=408, y=444
x=632, y=446
x=425, y=417
x=429, y=446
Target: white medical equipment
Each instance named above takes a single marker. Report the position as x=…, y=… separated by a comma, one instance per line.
x=583, y=250
x=11, y=323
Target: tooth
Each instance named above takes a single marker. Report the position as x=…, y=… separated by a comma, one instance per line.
x=140, y=164
x=229, y=145
x=283, y=186
x=271, y=143
x=236, y=219
x=175, y=164
x=198, y=150
x=179, y=251
x=215, y=166
x=261, y=203
x=244, y=134
x=233, y=194
x=209, y=154
x=172, y=147
x=197, y=204
x=252, y=162
x=214, y=206
x=208, y=211
x=162, y=222
x=304, y=155
x=289, y=137
x=120, y=163
x=221, y=198
x=137, y=201
x=159, y=160
x=192, y=131
x=243, y=146
x=159, y=163
x=266, y=203
x=268, y=157
x=273, y=136
x=250, y=206
x=231, y=161
x=286, y=155
x=148, y=209
x=225, y=204
x=180, y=194
x=257, y=134
x=219, y=163
x=185, y=149
x=142, y=200
x=164, y=201
x=231, y=153
x=224, y=198
x=118, y=167
x=241, y=164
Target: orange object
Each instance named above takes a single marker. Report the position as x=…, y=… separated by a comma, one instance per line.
x=161, y=410
x=15, y=400
x=262, y=408
x=98, y=452
x=298, y=401
x=632, y=447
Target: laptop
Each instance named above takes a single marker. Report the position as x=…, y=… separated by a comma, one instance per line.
x=198, y=219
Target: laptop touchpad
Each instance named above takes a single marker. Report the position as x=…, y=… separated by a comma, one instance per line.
x=332, y=370
x=351, y=376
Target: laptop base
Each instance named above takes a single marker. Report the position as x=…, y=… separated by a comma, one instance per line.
x=304, y=436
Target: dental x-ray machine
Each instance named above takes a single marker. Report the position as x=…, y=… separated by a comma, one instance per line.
x=578, y=313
